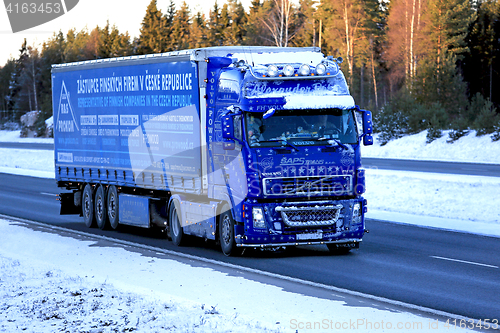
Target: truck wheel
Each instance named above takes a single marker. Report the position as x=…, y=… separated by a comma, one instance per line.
x=338, y=250
x=88, y=206
x=101, y=215
x=112, y=207
x=226, y=233
x=175, y=224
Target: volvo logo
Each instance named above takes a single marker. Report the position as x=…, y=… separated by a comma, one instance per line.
x=308, y=185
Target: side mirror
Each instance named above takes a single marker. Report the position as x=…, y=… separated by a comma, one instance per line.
x=367, y=122
x=368, y=140
x=367, y=126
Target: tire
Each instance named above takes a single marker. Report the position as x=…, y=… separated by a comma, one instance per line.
x=338, y=250
x=112, y=207
x=226, y=233
x=88, y=206
x=100, y=211
x=176, y=233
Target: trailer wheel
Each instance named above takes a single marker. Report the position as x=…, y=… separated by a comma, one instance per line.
x=101, y=215
x=226, y=233
x=176, y=232
x=112, y=207
x=88, y=206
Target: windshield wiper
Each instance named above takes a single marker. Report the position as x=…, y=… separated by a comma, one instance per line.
x=332, y=141
x=283, y=142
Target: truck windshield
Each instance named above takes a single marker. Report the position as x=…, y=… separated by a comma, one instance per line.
x=301, y=127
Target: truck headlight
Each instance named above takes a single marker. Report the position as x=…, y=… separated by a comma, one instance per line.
x=258, y=218
x=356, y=213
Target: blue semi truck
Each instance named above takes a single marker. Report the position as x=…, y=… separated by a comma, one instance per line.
x=252, y=147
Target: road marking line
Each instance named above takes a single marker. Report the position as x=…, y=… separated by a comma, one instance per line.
x=465, y=262
x=51, y=194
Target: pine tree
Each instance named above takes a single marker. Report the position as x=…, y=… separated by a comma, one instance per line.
x=181, y=28
x=345, y=24
x=120, y=43
x=481, y=66
x=447, y=24
x=198, y=33
x=255, y=33
x=52, y=53
x=6, y=73
x=215, y=29
x=78, y=46
x=17, y=95
x=169, y=19
x=307, y=33
x=153, y=38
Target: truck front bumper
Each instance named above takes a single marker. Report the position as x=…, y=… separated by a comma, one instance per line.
x=352, y=243
x=303, y=223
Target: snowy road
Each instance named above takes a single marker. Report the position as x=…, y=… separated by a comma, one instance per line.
x=399, y=262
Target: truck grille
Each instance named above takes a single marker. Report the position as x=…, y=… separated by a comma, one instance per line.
x=310, y=216
x=308, y=185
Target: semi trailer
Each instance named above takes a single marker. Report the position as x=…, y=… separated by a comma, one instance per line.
x=252, y=147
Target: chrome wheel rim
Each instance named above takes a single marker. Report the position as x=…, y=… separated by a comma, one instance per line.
x=226, y=229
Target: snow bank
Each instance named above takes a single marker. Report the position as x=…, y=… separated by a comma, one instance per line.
x=469, y=148
x=15, y=136
x=461, y=198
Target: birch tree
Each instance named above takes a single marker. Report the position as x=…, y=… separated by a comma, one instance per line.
x=405, y=31
x=278, y=22
x=345, y=29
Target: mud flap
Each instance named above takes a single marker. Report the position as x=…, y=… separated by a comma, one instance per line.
x=68, y=206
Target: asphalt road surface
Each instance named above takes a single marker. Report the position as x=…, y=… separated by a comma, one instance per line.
x=453, y=272
x=475, y=169
x=26, y=145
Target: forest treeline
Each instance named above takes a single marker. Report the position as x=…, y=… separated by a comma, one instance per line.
x=418, y=64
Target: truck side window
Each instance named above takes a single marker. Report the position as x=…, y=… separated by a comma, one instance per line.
x=238, y=128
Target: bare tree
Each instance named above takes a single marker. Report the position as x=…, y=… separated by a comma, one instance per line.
x=406, y=30
x=278, y=22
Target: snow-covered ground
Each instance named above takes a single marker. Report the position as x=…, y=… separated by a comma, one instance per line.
x=469, y=148
x=68, y=283
x=58, y=283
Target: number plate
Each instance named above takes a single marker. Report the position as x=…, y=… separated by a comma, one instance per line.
x=316, y=235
